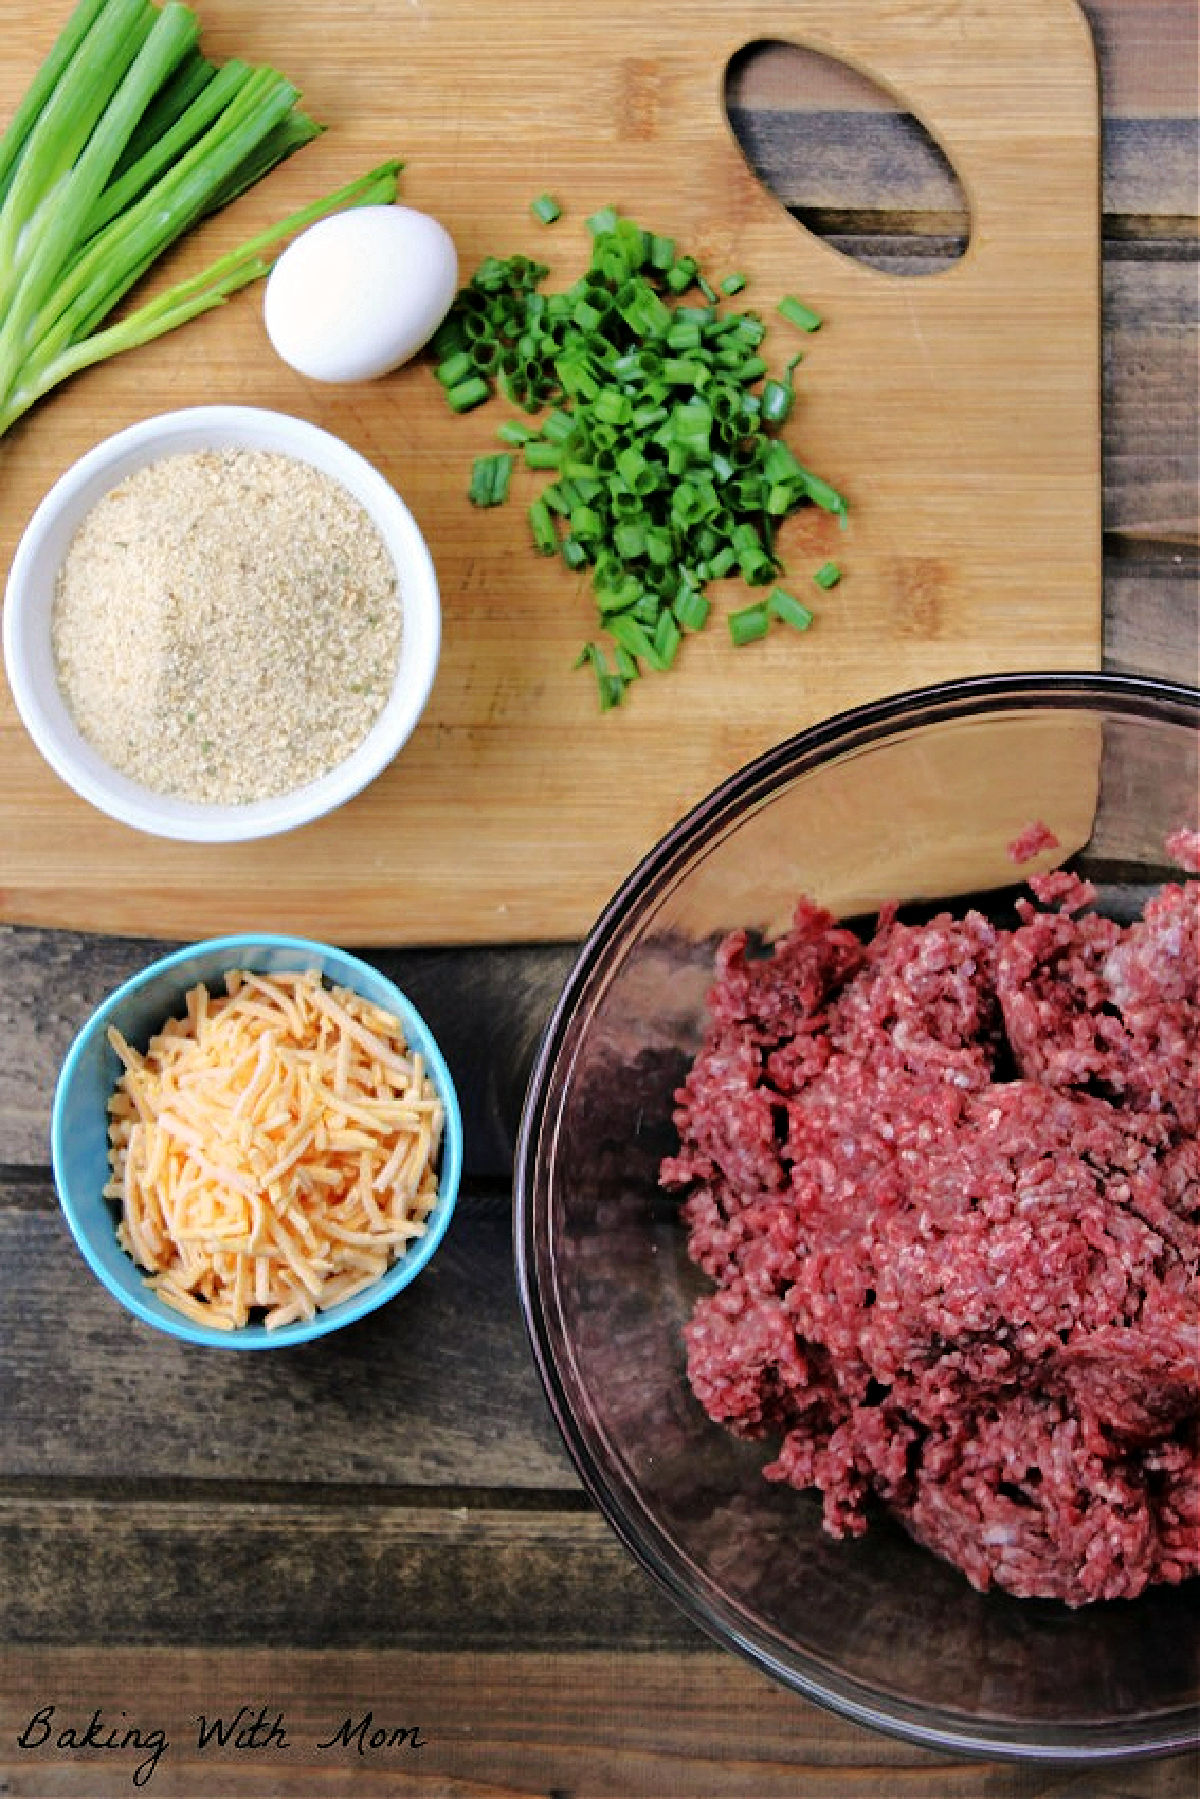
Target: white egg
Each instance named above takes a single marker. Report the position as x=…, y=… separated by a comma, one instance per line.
x=360, y=292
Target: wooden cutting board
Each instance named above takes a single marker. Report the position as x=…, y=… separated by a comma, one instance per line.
x=959, y=413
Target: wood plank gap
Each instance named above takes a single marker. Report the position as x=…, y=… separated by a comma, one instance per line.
x=1140, y=239
x=1168, y=231
x=855, y=230
x=22, y=1175
x=1163, y=558
x=946, y=229
x=65, y=1491
x=1146, y=248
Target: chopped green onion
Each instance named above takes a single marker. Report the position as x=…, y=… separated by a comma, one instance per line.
x=629, y=540
x=828, y=575
x=733, y=284
x=541, y=523
x=490, y=478
x=611, y=408
x=515, y=431
x=797, y=313
x=777, y=401
x=667, y=637
x=610, y=686
x=660, y=546
x=749, y=330
x=749, y=624
x=559, y=427
x=619, y=598
x=821, y=494
x=643, y=310
x=546, y=208
x=539, y=454
x=469, y=393
x=681, y=274
x=684, y=334
x=586, y=523
x=659, y=435
x=632, y=637
x=786, y=606
x=681, y=372
x=485, y=356
x=455, y=368
x=576, y=377
x=756, y=567
x=691, y=609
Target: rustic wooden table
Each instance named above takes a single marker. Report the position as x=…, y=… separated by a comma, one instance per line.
x=387, y=1528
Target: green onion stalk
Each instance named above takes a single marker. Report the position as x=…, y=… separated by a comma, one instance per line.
x=126, y=138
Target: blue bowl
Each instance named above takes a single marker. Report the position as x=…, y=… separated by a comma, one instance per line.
x=79, y=1124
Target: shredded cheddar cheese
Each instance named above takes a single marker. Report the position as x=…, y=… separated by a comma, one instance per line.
x=274, y=1150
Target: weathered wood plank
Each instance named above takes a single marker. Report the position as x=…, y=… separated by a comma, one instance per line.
x=601, y=1725
x=1152, y=618
x=1149, y=399
x=437, y=1390
x=1146, y=50
x=354, y=1572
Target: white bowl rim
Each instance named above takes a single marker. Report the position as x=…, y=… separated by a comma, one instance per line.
x=41, y=707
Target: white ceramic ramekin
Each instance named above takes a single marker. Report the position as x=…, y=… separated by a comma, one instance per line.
x=29, y=598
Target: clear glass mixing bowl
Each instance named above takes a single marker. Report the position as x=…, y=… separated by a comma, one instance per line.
x=913, y=798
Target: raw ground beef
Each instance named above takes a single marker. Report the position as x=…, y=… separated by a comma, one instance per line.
x=947, y=1186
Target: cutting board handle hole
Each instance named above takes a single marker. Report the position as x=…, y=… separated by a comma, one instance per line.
x=839, y=150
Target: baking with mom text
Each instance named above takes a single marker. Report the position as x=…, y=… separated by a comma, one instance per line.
x=245, y=1731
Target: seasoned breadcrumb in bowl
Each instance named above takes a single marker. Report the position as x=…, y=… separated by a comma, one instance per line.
x=858, y=1215
x=221, y=623
x=256, y=1141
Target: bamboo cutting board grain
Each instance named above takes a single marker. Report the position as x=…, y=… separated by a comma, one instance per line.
x=958, y=411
